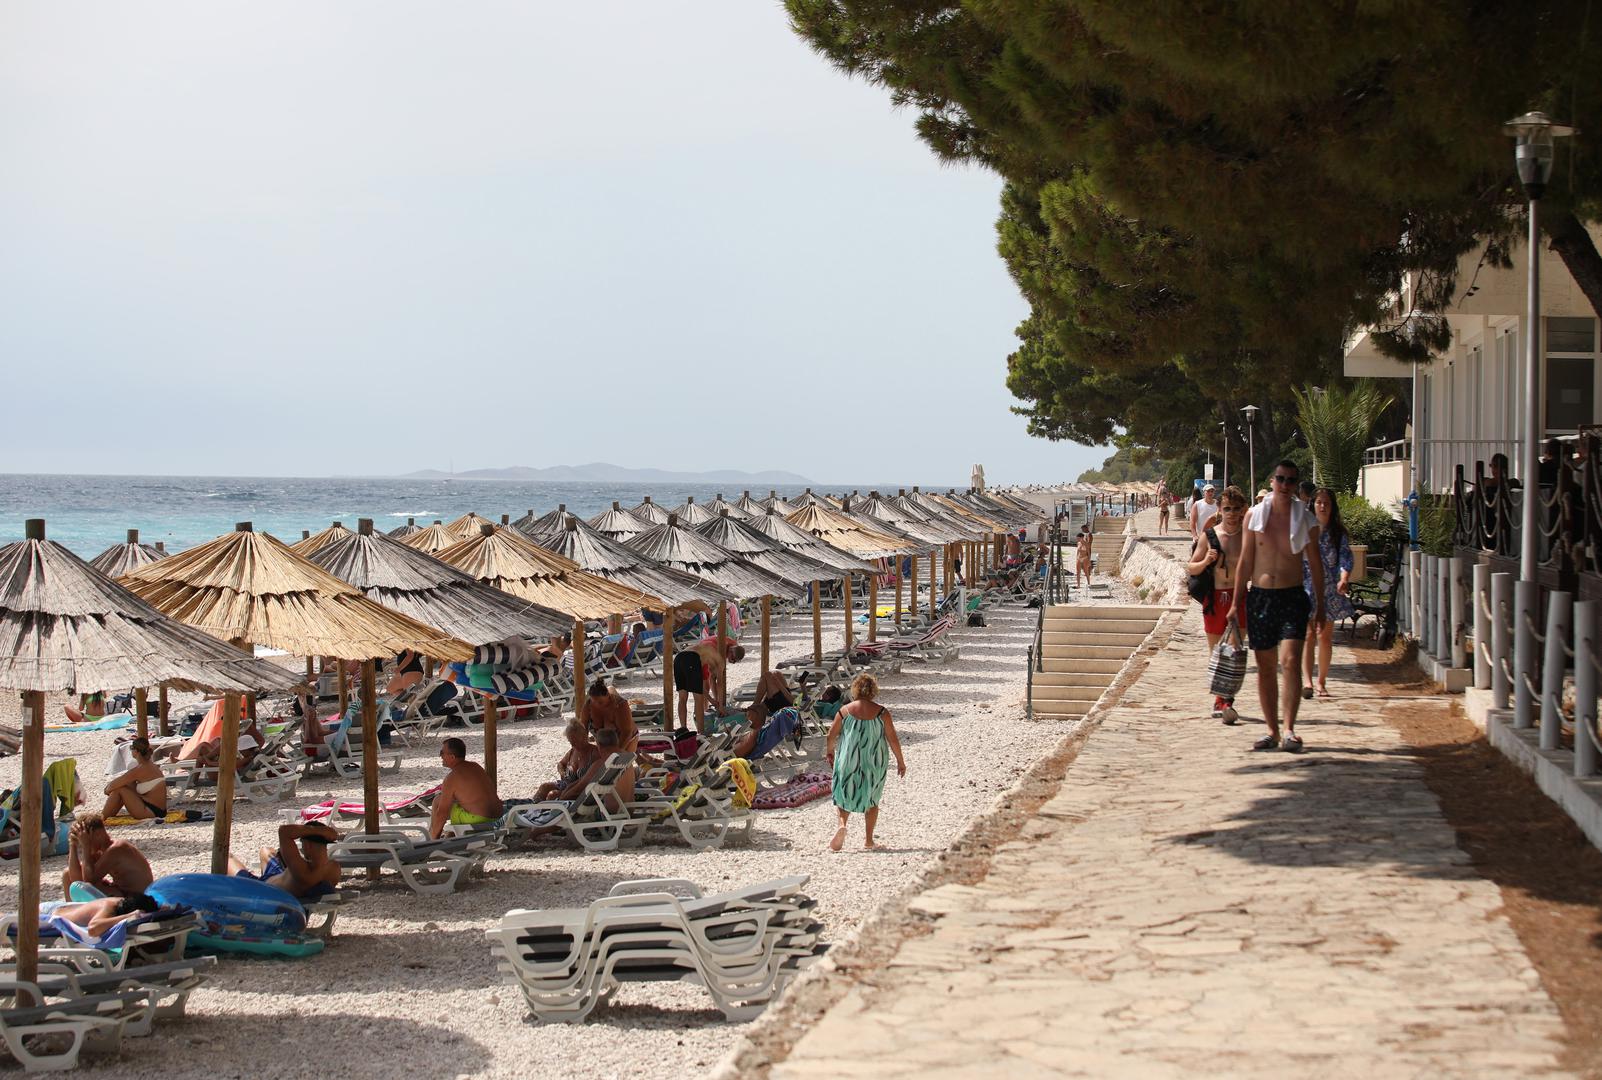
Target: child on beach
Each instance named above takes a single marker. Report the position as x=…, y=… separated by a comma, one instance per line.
x=864, y=732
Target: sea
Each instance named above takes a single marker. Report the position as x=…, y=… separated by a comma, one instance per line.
x=88, y=514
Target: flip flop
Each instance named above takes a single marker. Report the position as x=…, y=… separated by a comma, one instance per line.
x=1292, y=744
x=1307, y=693
x=1267, y=742
x=1228, y=715
x=1324, y=692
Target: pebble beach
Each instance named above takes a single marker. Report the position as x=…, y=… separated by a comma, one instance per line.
x=407, y=984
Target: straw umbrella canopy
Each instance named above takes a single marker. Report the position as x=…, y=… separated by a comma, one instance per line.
x=803, y=500
x=618, y=523
x=687, y=551
x=608, y=558
x=720, y=504
x=925, y=537
x=432, y=540
x=739, y=537
x=749, y=505
x=899, y=517
x=778, y=505
x=511, y=562
x=547, y=524
x=835, y=528
x=119, y=559
x=995, y=509
x=690, y=513
x=411, y=528
x=64, y=626
x=314, y=543
x=404, y=579
x=248, y=586
x=989, y=523
x=467, y=525
x=772, y=524
x=650, y=513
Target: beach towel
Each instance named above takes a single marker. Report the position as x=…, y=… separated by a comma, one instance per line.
x=210, y=728
x=391, y=802
x=780, y=726
x=174, y=817
x=105, y=723
x=53, y=925
x=745, y=785
x=61, y=778
x=798, y=791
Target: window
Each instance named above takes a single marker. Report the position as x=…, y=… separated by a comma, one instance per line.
x=1570, y=335
x=1570, y=373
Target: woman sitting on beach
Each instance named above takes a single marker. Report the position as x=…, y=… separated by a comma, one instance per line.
x=91, y=707
x=580, y=756
x=864, y=732
x=141, y=792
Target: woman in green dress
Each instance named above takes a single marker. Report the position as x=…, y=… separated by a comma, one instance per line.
x=866, y=737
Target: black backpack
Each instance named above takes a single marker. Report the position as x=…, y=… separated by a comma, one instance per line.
x=1200, y=586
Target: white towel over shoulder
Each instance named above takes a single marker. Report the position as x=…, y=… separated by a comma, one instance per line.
x=1301, y=523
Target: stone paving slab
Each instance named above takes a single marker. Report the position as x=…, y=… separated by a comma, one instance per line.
x=1184, y=907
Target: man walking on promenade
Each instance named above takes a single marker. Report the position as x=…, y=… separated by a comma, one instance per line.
x=1277, y=608
x=1203, y=512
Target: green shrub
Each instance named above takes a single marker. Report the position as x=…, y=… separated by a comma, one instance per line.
x=1369, y=524
x=1435, y=523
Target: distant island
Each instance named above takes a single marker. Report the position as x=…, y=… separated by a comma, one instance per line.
x=602, y=473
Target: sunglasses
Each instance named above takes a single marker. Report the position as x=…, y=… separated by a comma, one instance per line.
x=1285, y=479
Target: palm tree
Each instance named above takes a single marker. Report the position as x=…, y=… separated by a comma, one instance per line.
x=1338, y=422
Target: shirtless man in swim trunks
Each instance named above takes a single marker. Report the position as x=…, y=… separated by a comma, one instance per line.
x=301, y=866
x=99, y=916
x=1227, y=529
x=467, y=797
x=113, y=867
x=696, y=670
x=1277, y=608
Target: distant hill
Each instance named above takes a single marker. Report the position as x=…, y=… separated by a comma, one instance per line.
x=602, y=473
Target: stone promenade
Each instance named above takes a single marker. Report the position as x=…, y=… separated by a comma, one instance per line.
x=1184, y=907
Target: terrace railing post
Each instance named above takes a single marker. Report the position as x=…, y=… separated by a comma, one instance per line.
x=1526, y=603
x=1481, y=598
x=1427, y=594
x=1415, y=617
x=1559, y=608
x=1501, y=639
x=1585, y=679
x=1458, y=573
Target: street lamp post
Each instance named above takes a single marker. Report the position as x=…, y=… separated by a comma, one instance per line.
x=1536, y=134
x=1223, y=426
x=1251, y=449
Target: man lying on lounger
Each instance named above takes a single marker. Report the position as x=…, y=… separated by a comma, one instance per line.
x=467, y=797
x=301, y=866
x=98, y=916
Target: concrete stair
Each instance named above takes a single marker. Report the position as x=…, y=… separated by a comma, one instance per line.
x=1083, y=649
x=1108, y=548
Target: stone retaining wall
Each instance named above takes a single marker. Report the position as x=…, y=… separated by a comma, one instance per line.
x=1158, y=566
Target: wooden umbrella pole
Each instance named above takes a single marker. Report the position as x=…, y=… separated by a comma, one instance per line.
x=227, y=760
x=873, y=605
x=767, y=627
x=667, y=670
x=492, y=716
x=898, y=592
x=850, y=616
x=32, y=810
x=369, y=692
x=934, y=587
x=817, y=622
x=163, y=725
x=912, y=587
x=141, y=720
x=578, y=669
x=723, y=668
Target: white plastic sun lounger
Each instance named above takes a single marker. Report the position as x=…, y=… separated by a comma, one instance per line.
x=32, y=1031
x=428, y=867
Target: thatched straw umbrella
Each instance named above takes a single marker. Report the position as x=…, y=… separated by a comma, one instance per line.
x=605, y=557
x=771, y=524
x=720, y=504
x=748, y=505
x=691, y=514
x=649, y=512
x=511, y=562
x=683, y=549
x=314, y=543
x=248, y=588
x=119, y=559
x=431, y=540
x=409, y=529
x=619, y=524
x=547, y=524
x=468, y=525
x=839, y=530
x=924, y=536
x=64, y=626
x=740, y=537
x=778, y=505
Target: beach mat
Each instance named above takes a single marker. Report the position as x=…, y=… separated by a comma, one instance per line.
x=174, y=817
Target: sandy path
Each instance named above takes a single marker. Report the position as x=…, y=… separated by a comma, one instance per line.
x=408, y=986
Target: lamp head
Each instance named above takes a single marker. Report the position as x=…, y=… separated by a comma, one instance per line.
x=1251, y=413
x=1536, y=135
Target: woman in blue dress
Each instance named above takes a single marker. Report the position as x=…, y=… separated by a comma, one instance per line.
x=866, y=738
x=1334, y=547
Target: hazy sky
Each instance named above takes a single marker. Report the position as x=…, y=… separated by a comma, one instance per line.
x=301, y=238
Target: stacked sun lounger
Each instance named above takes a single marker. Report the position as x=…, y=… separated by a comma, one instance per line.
x=428, y=867
x=744, y=947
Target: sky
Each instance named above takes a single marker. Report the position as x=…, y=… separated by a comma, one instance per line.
x=367, y=237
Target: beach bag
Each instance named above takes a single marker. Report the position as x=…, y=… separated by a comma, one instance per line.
x=1200, y=586
x=745, y=785
x=1227, y=669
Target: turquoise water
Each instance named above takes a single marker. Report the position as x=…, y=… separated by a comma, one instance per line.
x=90, y=513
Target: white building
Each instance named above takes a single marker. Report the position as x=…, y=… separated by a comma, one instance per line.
x=1470, y=401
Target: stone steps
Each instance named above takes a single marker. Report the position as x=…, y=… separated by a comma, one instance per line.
x=1083, y=648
